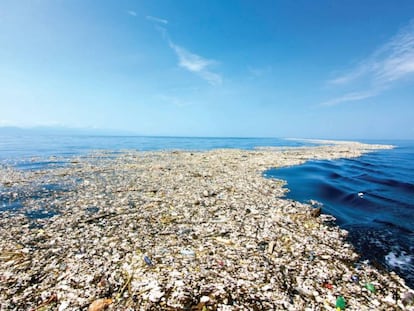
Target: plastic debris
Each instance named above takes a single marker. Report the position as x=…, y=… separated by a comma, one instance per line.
x=355, y=278
x=271, y=247
x=407, y=298
x=148, y=261
x=370, y=287
x=328, y=285
x=340, y=303
x=187, y=252
x=316, y=212
x=312, y=256
x=100, y=304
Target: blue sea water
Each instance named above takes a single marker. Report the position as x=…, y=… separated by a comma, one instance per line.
x=24, y=147
x=371, y=196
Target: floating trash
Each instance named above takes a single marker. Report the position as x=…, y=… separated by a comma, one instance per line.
x=92, y=209
x=408, y=298
x=148, y=261
x=328, y=286
x=370, y=287
x=312, y=256
x=187, y=252
x=340, y=303
x=355, y=278
x=212, y=233
x=100, y=304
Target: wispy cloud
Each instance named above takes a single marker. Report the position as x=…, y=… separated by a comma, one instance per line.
x=350, y=97
x=389, y=64
x=396, y=59
x=189, y=61
x=350, y=76
x=196, y=64
x=132, y=13
x=156, y=19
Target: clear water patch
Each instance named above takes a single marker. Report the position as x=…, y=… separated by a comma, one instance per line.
x=35, y=165
x=41, y=213
x=9, y=203
x=31, y=199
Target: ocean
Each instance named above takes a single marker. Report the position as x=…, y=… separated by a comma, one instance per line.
x=25, y=147
x=371, y=196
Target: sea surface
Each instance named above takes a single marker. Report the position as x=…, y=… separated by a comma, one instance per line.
x=27, y=147
x=371, y=196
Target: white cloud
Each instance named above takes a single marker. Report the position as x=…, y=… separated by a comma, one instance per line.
x=132, y=13
x=349, y=97
x=156, y=19
x=190, y=61
x=392, y=62
x=350, y=76
x=196, y=64
x=396, y=59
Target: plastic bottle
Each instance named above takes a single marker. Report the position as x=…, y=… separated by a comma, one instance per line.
x=340, y=303
x=370, y=287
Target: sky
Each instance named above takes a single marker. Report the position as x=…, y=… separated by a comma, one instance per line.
x=308, y=69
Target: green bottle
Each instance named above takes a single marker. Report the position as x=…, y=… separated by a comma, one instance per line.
x=370, y=287
x=340, y=303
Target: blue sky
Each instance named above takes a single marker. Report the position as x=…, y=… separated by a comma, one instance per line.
x=317, y=69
